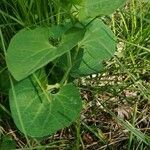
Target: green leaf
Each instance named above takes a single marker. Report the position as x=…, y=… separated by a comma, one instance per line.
x=93, y=8
x=75, y=1
x=39, y=114
x=30, y=50
x=71, y=1
x=99, y=45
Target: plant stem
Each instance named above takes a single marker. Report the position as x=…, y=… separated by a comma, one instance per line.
x=40, y=85
x=65, y=77
x=78, y=137
x=58, y=12
x=133, y=124
x=3, y=44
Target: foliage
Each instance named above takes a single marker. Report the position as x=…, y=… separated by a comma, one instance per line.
x=76, y=42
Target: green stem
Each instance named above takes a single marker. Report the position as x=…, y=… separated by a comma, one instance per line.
x=4, y=109
x=133, y=124
x=42, y=88
x=3, y=44
x=51, y=87
x=78, y=135
x=58, y=12
x=65, y=77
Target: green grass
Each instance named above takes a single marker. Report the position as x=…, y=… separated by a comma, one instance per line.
x=116, y=102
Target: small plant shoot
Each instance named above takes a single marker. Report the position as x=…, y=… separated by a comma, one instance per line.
x=44, y=61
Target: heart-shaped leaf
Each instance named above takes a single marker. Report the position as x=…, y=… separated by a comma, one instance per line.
x=39, y=114
x=30, y=50
x=99, y=45
x=93, y=8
